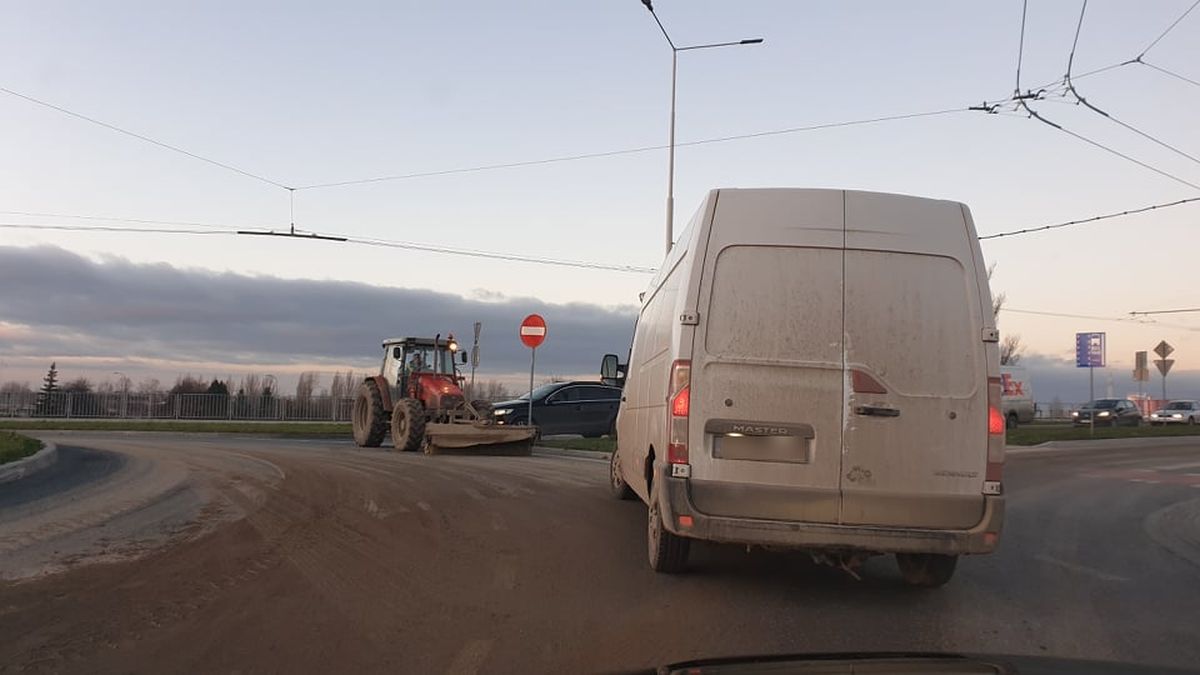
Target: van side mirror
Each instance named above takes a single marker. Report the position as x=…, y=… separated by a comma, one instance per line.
x=609, y=367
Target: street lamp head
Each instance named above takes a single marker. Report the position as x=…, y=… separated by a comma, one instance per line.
x=751, y=41
x=648, y=5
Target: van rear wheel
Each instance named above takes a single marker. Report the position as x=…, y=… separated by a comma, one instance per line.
x=668, y=551
x=928, y=570
x=620, y=489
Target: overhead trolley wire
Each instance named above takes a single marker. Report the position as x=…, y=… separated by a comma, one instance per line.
x=143, y=138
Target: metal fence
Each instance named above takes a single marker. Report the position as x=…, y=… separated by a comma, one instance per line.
x=117, y=405
x=1058, y=410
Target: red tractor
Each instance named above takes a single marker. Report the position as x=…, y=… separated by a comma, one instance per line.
x=418, y=397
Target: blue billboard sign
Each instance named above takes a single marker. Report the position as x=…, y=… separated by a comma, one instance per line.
x=1089, y=350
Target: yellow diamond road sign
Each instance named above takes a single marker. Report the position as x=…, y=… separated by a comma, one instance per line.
x=1163, y=349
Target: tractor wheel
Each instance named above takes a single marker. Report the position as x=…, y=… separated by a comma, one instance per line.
x=408, y=425
x=370, y=420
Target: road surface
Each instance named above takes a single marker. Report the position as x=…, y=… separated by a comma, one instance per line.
x=227, y=553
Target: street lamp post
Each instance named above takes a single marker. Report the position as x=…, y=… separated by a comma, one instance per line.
x=124, y=393
x=671, y=152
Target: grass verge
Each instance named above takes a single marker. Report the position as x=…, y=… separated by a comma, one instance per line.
x=15, y=446
x=1042, y=433
x=268, y=428
x=593, y=444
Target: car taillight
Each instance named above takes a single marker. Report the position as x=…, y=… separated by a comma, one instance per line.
x=679, y=402
x=992, y=484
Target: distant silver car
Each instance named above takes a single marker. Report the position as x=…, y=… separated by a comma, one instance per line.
x=1177, y=412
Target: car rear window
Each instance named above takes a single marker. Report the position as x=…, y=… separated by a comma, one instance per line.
x=600, y=394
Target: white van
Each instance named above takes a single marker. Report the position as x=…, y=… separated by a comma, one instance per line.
x=817, y=369
x=1016, y=396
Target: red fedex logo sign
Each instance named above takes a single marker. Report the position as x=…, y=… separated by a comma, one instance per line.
x=1011, y=386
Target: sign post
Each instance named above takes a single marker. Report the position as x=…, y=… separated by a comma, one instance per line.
x=1164, y=364
x=475, y=358
x=1141, y=373
x=533, y=333
x=1089, y=353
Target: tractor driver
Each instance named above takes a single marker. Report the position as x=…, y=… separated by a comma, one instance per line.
x=415, y=364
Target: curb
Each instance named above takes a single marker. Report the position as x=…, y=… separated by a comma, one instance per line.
x=1102, y=443
x=578, y=454
x=23, y=468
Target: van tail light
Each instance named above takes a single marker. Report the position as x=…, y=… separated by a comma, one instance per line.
x=679, y=401
x=992, y=480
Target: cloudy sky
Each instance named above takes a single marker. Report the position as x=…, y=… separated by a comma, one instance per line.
x=151, y=319
x=302, y=94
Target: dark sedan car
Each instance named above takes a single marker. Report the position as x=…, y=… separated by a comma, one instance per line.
x=1108, y=412
x=585, y=408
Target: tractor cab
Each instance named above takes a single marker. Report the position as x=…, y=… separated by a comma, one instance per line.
x=417, y=367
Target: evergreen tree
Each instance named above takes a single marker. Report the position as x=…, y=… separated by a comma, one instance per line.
x=47, y=403
x=50, y=382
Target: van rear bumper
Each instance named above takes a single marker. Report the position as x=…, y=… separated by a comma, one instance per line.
x=677, y=502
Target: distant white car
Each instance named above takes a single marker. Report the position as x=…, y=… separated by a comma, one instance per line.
x=1177, y=412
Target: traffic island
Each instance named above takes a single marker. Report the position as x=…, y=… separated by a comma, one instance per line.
x=22, y=456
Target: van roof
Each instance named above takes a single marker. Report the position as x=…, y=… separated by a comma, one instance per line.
x=834, y=191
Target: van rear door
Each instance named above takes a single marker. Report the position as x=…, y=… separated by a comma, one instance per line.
x=767, y=380
x=915, y=440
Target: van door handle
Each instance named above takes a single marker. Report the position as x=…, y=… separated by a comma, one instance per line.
x=877, y=411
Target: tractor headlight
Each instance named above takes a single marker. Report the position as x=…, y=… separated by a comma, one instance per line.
x=452, y=346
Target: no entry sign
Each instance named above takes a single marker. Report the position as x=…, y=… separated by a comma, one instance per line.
x=533, y=331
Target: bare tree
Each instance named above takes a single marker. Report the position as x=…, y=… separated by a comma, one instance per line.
x=80, y=385
x=1010, y=350
x=186, y=384
x=13, y=387
x=150, y=386
x=344, y=384
x=305, y=385
x=251, y=386
x=1010, y=346
x=997, y=299
x=491, y=390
